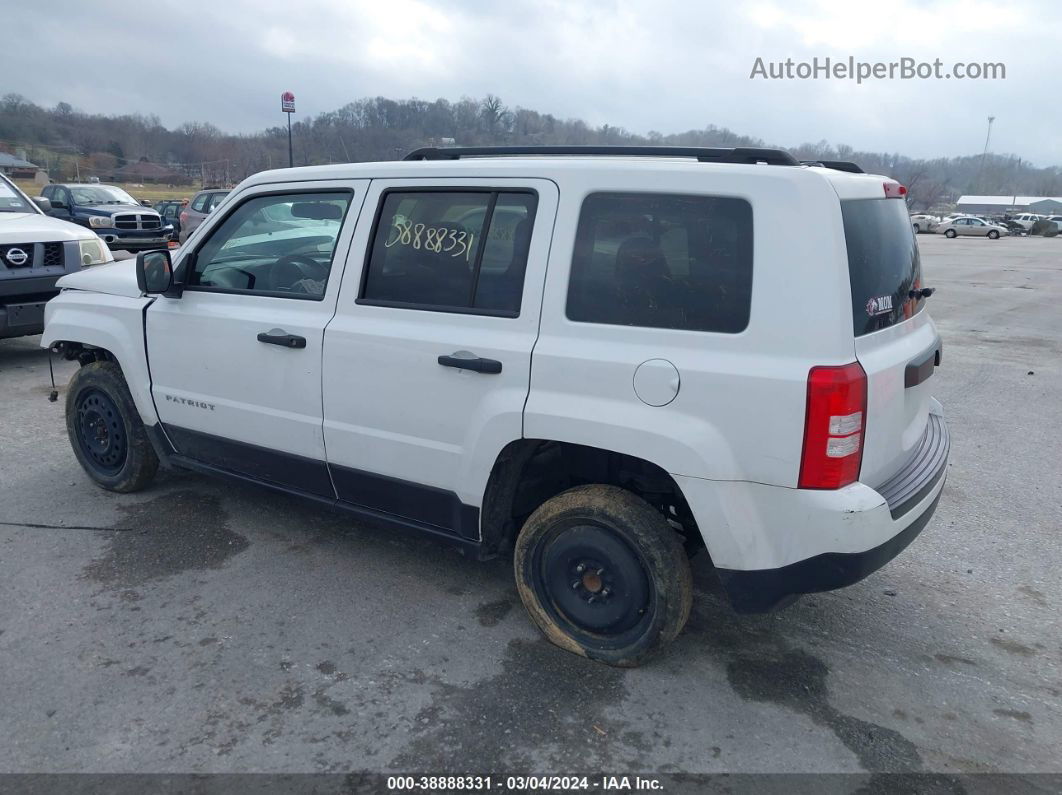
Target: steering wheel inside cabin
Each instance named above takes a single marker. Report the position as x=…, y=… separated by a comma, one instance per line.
x=288, y=271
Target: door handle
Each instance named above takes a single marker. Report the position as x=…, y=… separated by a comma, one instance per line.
x=280, y=337
x=466, y=360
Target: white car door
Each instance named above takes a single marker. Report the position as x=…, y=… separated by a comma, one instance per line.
x=427, y=362
x=236, y=359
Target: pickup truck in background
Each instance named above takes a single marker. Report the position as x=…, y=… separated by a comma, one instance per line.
x=121, y=221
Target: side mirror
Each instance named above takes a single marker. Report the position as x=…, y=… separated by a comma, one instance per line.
x=154, y=272
x=44, y=204
x=57, y=204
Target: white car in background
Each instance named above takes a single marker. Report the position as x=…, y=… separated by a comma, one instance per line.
x=1027, y=220
x=923, y=223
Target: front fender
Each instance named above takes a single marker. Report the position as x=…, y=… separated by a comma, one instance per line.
x=112, y=322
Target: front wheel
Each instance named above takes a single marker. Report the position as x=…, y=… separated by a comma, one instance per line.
x=603, y=575
x=950, y=233
x=105, y=429
x=993, y=235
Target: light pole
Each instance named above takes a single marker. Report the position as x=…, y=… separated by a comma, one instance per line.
x=984, y=154
x=287, y=105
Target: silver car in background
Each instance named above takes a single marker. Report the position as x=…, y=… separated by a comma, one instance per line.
x=974, y=227
x=199, y=208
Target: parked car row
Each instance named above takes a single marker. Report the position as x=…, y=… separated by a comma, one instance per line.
x=35, y=251
x=123, y=222
x=978, y=226
x=73, y=225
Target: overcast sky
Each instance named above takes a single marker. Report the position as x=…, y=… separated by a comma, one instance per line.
x=661, y=65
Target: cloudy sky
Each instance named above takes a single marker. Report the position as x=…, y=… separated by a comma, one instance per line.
x=666, y=65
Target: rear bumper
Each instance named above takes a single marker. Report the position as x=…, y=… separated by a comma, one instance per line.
x=771, y=544
x=763, y=590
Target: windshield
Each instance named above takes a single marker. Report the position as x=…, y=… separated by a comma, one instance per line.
x=883, y=263
x=100, y=194
x=12, y=200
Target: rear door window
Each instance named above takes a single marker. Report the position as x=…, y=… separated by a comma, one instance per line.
x=199, y=202
x=663, y=261
x=460, y=250
x=883, y=263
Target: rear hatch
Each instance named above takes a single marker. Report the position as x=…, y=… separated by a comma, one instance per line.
x=896, y=342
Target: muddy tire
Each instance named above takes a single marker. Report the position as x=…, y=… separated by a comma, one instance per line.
x=603, y=575
x=105, y=429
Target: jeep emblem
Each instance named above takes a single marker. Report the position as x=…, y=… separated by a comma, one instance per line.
x=16, y=257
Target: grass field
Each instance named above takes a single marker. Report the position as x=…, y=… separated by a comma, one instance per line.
x=152, y=193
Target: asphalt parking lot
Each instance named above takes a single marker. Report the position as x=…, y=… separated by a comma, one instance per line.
x=202, y=626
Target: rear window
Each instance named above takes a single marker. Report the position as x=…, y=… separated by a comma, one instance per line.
x=663, y=261
x=883, y=263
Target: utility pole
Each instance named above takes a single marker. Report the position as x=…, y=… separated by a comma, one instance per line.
x=984, y=154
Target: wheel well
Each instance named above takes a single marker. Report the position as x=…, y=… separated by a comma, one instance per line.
x=83, y=353
x=528, y=472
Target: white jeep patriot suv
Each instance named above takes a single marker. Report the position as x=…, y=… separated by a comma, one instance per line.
x=602, y=359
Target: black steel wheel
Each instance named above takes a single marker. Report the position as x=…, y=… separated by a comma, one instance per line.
x=105, y=429
x=603, y=574
x=101, y=431
x=595, y=582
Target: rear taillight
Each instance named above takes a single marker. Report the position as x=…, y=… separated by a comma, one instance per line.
x=833, y=427
x=894, y=190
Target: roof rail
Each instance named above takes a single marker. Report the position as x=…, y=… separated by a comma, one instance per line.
x=741, y=154
x=836, y=165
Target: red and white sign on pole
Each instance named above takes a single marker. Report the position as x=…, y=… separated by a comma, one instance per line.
x=287, y=102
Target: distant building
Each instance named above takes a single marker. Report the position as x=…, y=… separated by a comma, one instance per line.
x=16, y=167
x=994, y=205
x=146, y=171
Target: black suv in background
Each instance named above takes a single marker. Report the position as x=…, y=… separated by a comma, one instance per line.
x=119, y=219
x=170, y=210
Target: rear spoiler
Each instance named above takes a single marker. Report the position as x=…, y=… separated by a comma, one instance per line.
x=836, y=165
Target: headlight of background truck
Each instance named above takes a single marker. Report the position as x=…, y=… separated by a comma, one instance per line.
x=94, y=252
x=101, y=220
